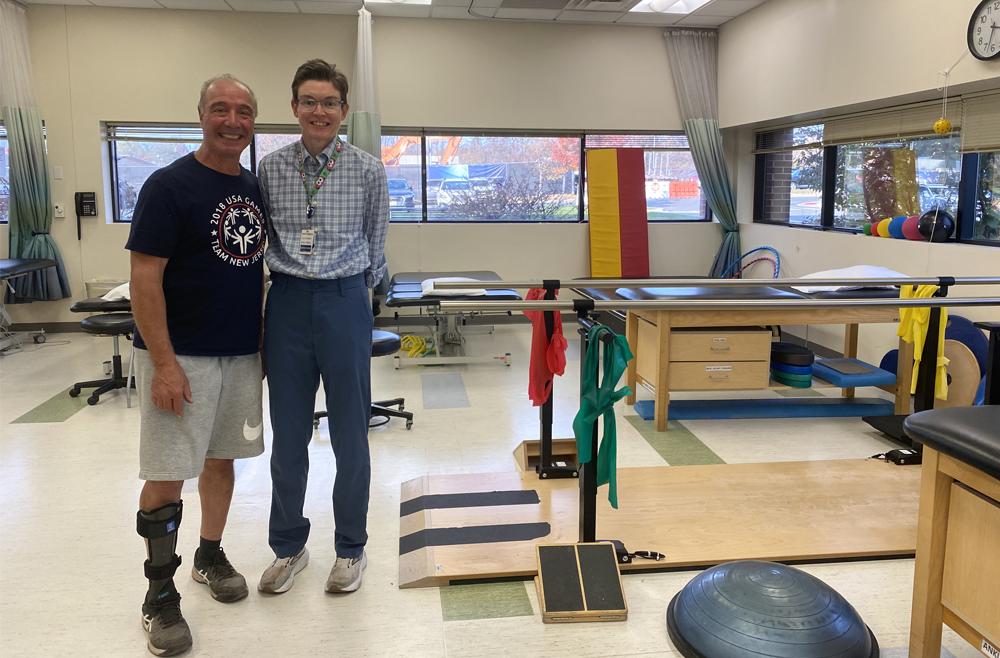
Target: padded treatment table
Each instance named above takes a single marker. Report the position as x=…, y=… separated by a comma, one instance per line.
x=405, y=291
x=11, y=268
x=725, y=350
x=957, y=571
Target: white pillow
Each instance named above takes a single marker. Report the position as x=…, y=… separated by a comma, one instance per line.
x=115, y=294
x=854, y=272
x=428, y=290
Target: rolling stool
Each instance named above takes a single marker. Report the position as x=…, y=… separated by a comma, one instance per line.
x=384, y=343
x=114, y=325
x=956, y=578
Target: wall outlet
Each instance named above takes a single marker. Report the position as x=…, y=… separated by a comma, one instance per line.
x=59, y=209
x=57, y=172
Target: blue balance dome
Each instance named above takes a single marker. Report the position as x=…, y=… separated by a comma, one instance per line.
x=763, y=609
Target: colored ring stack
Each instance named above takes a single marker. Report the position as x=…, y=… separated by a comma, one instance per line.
x=791, y=365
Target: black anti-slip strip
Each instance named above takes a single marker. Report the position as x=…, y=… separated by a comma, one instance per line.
x=480, y=534
x=473, y=499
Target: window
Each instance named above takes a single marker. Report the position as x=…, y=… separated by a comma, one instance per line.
x=402, y=156
x=673, y=191
x=4, y=177
x=986, y=218
x=791, y=188
x=502, y=178
x=877, y=180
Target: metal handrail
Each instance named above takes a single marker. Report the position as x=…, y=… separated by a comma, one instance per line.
x=610, y=284
x=710, y=305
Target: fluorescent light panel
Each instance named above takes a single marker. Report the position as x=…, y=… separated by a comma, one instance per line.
x=677, y=6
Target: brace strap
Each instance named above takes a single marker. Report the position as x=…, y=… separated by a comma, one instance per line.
x=163, y=571
x=160, y=528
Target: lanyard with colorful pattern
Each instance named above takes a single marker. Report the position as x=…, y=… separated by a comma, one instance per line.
x=323, y=174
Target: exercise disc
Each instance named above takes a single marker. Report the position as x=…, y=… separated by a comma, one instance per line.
x=763, y=609
x=963, y=376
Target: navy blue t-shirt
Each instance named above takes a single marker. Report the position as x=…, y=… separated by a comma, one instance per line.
x=210, y=227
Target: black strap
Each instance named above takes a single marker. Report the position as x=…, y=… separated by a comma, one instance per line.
x=163, y=571
x=649, y=555
x=583, y=305
x=157, y=529
x=34, y=233
x=551, y=284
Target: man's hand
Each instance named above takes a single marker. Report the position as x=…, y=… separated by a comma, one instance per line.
x=170, y=389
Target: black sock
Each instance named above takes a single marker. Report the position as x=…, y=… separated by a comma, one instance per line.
x=208, y=548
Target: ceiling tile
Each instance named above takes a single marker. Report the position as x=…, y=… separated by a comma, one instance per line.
x=143, y=4
x=590, y=16
x=727, y=8
x=399, y=9
x=557, y=5
x=531, y=14
x=478, y=4
x=310, y=7
x=285, y=6
x=647, y=18
x=59, y=2
x=211, y=5
x=439, y=11
x=694, y=20
x=452, y=3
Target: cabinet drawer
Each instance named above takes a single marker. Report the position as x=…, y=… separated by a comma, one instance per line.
x=710, y=375
x=720, y=345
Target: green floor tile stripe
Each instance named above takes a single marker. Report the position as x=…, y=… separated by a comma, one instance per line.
x=678, y=446
x=798, y=393
x=54, y=410
x=485, y=601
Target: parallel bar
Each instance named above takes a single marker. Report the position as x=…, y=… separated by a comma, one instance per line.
x=715, y=305
x=611, y=284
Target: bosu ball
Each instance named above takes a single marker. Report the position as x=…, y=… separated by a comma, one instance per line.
x=763, y=609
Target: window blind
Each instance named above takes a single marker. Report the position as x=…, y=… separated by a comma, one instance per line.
x=981, y=122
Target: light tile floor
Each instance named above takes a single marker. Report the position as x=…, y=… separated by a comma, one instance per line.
x=71, y=563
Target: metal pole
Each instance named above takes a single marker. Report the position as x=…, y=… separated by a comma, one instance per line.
x=545, y=412
x=611, y=284
x=712, y=305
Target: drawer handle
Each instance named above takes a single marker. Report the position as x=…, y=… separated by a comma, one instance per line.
x=718, y=376
x=721, y=349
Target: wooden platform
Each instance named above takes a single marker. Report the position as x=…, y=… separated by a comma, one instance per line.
x=695, y=515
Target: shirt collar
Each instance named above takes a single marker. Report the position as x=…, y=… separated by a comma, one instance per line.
x=323, y=156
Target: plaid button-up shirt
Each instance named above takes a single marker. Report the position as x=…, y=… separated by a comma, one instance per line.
x=351, y=217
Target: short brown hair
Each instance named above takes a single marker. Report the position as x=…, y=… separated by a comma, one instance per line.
x=318, y=69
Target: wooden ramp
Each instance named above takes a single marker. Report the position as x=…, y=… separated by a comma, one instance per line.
x=483, y=526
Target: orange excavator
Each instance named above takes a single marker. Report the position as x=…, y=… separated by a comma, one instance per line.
x=391, y=154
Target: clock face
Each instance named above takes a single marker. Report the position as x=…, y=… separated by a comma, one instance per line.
x=984, y=30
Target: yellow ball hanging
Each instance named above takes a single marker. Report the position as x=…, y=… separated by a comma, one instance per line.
x=942, y=126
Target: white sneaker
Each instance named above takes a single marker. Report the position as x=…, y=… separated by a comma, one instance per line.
x=346, y=574
x=279, y=577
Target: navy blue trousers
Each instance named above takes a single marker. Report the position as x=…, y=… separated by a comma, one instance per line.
x=313, y=329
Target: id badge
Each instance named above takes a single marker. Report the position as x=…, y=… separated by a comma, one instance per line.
x=307, y=241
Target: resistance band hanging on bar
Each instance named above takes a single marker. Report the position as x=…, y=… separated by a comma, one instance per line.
x=599, y=400
x=913, y=324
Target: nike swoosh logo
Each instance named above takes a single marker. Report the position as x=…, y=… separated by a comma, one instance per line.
x=252, y=433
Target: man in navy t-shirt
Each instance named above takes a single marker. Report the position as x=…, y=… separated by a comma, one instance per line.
x=197, y=244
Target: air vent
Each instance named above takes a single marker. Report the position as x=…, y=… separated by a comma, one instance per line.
x=600, y=5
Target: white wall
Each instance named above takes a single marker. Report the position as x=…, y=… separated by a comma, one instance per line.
x=98, y=64
x=792, y=57
x=787, y=58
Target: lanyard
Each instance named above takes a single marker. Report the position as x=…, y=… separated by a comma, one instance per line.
x=320, y=179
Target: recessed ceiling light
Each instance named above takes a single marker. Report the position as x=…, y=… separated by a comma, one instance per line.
x=677, y=6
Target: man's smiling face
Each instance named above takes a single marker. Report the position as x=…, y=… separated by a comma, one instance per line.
x=227, y=118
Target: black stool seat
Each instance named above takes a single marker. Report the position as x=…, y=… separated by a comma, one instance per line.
x=113, y=324
x=384, y=343
x=101, y=305
x=969, y=434
x=763, y=609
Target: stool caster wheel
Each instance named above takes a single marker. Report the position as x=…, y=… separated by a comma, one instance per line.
x=39, y=338
x=92, y=400
x=409, y=424
x=316, y=424
x=401, y=407
x=74, y=392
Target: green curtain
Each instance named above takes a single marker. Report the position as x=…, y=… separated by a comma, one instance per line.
x=364, y=130
x=31, y=208
x=706, y=151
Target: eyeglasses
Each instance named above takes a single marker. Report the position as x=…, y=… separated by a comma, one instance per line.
x=329, y=104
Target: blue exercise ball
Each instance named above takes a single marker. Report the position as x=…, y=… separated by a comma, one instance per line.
x=937, y=220
x=896, y=228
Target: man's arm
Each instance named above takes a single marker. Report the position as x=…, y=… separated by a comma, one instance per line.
x=170, y=386
x=376, y=222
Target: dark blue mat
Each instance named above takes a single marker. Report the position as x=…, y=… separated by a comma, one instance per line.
x=770, y=408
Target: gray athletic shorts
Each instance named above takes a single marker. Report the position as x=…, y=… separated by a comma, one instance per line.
x=225, y=421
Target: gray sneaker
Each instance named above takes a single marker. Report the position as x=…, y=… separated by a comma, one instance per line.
x=346, y=574
x=169, y=634
x=279, y=576
x=224, y=582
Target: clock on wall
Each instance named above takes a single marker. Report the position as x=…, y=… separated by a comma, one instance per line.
x=984, y=30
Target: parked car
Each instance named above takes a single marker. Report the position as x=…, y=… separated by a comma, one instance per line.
x=433, y=187
x=453, y=191
x=400, y=193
